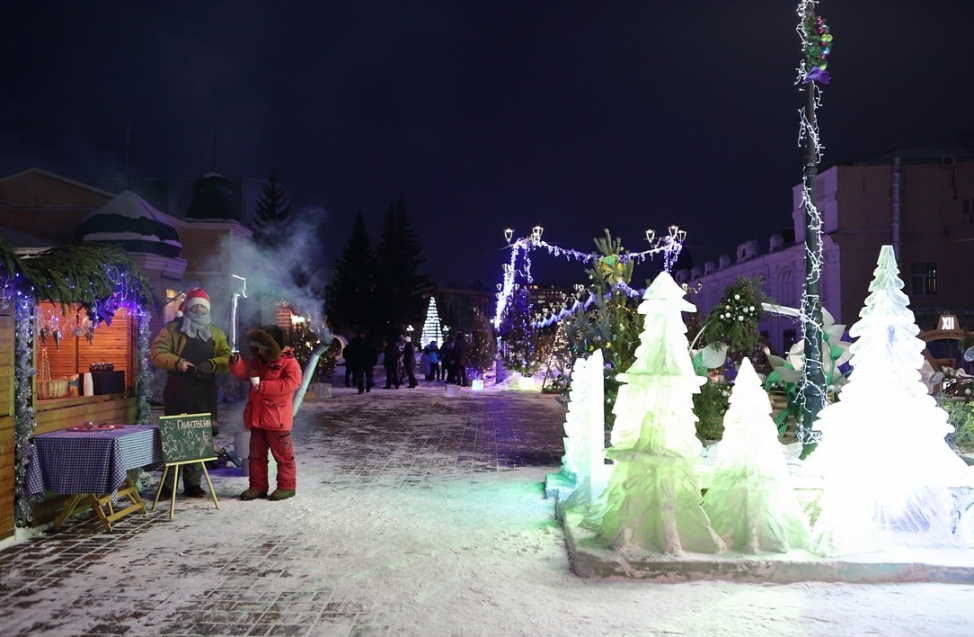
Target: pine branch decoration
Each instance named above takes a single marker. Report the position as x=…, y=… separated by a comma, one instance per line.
x=88, y=274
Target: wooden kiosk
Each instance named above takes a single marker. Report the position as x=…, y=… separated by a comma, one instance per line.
x=52, y=305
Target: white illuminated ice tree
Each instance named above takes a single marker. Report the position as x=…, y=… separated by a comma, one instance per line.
x=751, y=502
x=584, y=459
x=885, y=465
x=653, y=498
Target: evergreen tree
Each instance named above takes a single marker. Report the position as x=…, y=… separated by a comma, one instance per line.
x=610, y=322
x=401, y=292
x=350, y=300
x=519, y=338
x=483, y=344
x=558, y=362
x=272, y=216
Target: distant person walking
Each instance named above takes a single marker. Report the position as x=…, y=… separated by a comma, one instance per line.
x=446, y=360
x=390, y=361
x=461, y=350
x=409, y=361
x=361, y=356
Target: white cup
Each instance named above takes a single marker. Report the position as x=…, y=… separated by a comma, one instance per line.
x=255, y=381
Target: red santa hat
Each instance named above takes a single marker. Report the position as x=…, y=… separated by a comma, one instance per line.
x=195, y=296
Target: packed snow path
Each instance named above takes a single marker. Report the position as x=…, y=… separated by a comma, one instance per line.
x=416, y=514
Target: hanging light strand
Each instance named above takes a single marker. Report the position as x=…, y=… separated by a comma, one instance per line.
x=668, y=246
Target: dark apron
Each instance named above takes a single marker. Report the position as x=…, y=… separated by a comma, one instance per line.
x=187, y=395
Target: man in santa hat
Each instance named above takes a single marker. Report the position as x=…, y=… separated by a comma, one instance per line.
x=192, y=351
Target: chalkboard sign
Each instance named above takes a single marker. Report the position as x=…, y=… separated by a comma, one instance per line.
x=186, y=437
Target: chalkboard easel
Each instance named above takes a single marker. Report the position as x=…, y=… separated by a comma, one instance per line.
x=186, y=439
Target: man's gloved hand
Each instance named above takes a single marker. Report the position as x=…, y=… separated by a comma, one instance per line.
x=203, y=371
x=234, y=357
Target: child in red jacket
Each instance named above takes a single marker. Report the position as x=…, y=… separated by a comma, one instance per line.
x=275, y=375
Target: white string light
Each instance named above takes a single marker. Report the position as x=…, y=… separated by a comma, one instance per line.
x=816, y=46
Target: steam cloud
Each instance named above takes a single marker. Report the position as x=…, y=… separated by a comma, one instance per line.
x=271, y=273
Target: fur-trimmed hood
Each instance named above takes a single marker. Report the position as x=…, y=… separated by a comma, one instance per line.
x=270, y=337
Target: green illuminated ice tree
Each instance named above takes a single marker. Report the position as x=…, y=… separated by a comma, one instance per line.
x=653, y=499
x=751, y=502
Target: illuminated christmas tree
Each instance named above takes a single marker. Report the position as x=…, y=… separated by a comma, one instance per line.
x=482, y=354
x=432, y=330
x=610, y=323
x=558, y=361
x=751, y=503
x=885, y=465
x=518, y=336
x=653, y=499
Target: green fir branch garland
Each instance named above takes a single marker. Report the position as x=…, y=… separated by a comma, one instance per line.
x=24, y=421
x=143, y=376
x=87, y=274
x=10, y=267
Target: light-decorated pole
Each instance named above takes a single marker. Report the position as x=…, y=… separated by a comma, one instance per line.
x=816, y=46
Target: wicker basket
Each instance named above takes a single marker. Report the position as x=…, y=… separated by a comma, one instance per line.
x=47, y=388
x=51, y=389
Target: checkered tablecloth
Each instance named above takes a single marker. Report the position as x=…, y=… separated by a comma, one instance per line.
x=90, y=461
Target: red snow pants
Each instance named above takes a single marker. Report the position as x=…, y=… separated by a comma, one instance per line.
x=280, y=445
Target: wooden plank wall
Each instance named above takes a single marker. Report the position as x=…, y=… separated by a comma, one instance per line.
x=53, y=415
x=7, y=438
x=111, y=344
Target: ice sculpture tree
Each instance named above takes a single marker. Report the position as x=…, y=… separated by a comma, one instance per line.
x=751, y=502
x=584, y=459
x=885, y=465
x=653, y=498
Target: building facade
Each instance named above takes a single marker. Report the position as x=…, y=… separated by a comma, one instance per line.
x=923, y=207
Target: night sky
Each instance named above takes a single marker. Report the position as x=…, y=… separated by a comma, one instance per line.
x=574, y=115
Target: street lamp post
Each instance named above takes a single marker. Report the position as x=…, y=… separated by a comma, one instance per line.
x=816, y=45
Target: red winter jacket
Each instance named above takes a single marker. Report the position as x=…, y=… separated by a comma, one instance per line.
x=269, y=406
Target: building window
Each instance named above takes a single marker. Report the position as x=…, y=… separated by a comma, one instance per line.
x=969, y=210
x=788, y=339
x=924, y=279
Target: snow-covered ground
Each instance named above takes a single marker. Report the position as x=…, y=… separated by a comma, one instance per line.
x=401, y=528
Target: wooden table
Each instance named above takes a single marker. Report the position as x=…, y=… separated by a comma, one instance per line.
x=92, y=466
